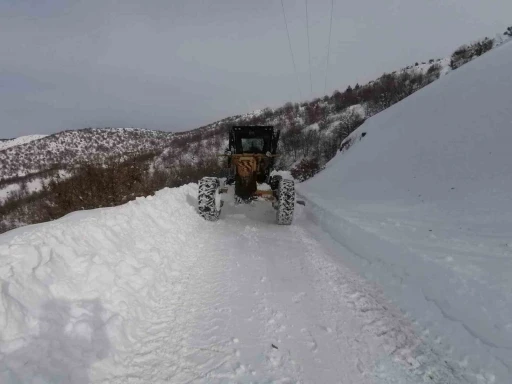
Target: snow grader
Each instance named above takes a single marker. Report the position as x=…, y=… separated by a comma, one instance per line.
x=250, y=158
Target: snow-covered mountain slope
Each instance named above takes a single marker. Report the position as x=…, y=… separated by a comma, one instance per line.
x=4, y=144
x=65, y=149
x=149, y=292
x=69, y=147
x=421, y=197
x=454, y=133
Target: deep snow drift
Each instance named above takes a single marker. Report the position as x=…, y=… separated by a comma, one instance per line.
x=423, y=202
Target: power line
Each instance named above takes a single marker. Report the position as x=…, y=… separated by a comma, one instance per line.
x=291, y=51
x=309, y=51
x=328, y=49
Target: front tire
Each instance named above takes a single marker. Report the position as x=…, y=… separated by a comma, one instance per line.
x=285, y=202
x=208, y=199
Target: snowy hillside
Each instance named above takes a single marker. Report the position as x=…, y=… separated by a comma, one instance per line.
x=4, y=144
x=69, y=147
x=454, y=133
x=420, y=196
x=20, y=157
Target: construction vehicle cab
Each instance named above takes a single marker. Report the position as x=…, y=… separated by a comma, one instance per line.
x=251, y=155
x=253, y=139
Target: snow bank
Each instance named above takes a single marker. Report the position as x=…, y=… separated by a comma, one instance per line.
x=423, y=203
x=73, y=288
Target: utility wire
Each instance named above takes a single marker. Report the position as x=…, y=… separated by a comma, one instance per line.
x=291, y=51
x=309, y=51
x=328, y=49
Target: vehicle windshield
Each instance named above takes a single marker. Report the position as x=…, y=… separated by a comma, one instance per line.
x=252, y=145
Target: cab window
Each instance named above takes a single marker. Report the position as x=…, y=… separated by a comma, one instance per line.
x=252, y=145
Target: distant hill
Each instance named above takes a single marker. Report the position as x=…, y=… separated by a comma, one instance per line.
x=20, y=157
x=8, y=143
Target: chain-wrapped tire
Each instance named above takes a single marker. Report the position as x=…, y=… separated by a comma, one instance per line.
x=285, y=201
x=208, y=199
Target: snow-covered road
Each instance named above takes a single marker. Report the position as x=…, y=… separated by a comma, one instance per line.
x=149, y=292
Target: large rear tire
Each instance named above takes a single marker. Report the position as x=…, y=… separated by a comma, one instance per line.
x=208, y=199
x=285, y=202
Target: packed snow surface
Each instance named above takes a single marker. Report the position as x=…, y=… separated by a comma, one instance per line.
x=4, y=144
x=149, y=292
x=423, y=203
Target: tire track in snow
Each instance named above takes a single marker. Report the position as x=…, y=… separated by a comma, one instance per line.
x=382, y=317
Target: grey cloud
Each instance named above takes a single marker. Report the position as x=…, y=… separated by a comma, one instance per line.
x=175, y=65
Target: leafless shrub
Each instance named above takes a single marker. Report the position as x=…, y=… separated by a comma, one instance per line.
x=306, y=169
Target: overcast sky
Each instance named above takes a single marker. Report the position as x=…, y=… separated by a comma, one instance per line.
x=178, y=64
